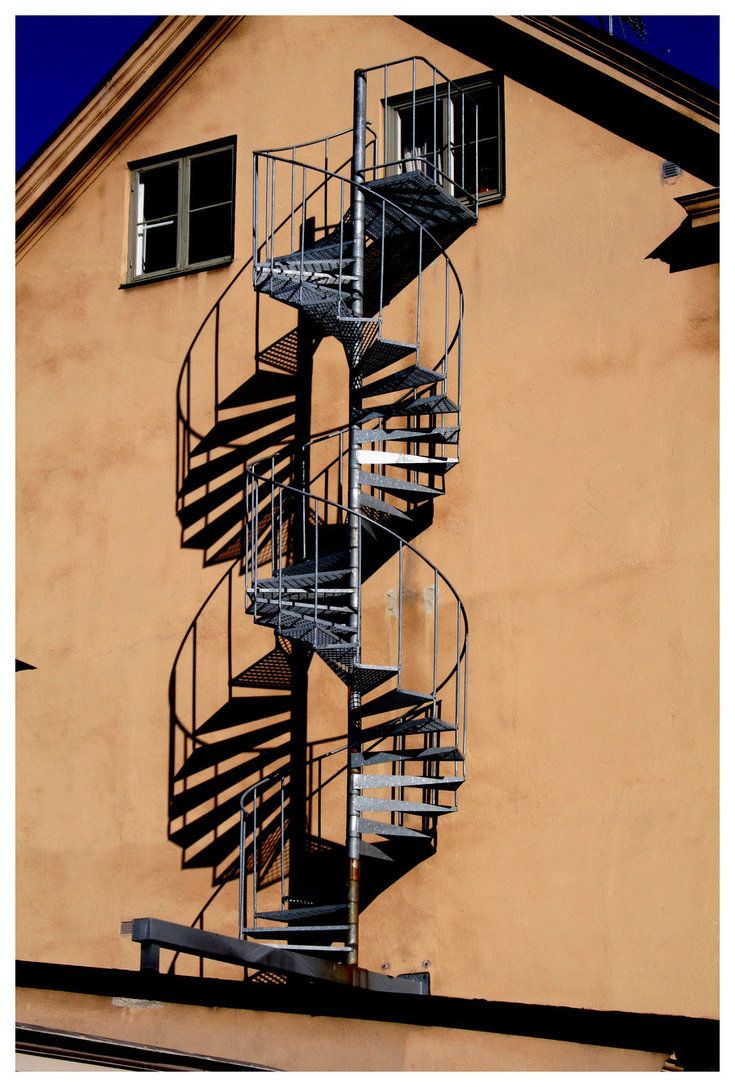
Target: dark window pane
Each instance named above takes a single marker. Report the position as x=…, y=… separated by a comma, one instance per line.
x=210, y=234
x=487, y=167
x=480, y=109
x=211, y=179
x=422, y=137
x=160, y=186
x=159, y=252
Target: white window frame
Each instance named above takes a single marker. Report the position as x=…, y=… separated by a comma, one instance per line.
x=445, y=132
x=139, y=228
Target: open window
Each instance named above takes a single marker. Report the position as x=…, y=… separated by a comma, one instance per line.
x=182, y=211
x=454, y=135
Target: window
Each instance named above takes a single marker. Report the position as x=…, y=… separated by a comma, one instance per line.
x=182, y=211
x=444, y=136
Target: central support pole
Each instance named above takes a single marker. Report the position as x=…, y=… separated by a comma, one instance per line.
x=357, y=207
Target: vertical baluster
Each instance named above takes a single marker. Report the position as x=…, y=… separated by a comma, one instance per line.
x=436, y=634
x=316, y=562
x=273, y=214
x=256, y=183
x=303, y=230
x=326, y=184
x=464, y=146
x=386, y=154
x=340, y=498
x=341, y=244
x=400, y=612
x=283, y=844
x=293, y=209
x=448, y=165
x=256, y=547
x=216, y=362
x=413, y=112
x=382, y=265
x=229, y=628
x=267, y=238
x=242, y=875
x=477, y=157
x=273, y=519
x=445, y=367
x=319, y=796
x=435, y=147
x=464, y=706
x=280, y=553
x=255, y=856
x=418, y=289
x=456, y=672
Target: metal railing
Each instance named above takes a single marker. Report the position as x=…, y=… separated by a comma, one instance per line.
x=450, y=125
x=296, y=520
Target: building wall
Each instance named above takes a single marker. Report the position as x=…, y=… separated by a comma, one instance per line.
x=313, y=1043
x=580, y=530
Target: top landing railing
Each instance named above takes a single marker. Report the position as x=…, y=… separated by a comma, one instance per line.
x=428, y=123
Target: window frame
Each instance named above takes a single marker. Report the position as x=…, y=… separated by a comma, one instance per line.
x=182, y=158
x=426, y=94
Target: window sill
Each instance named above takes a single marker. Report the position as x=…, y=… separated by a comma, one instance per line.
x=210, y=267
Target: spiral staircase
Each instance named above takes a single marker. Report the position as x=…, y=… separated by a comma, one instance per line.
x=357, y=246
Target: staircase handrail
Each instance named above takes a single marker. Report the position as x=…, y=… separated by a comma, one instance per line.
x=250, y=470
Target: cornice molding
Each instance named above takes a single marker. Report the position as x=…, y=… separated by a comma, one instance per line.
x=672, y=88
x=169, y=54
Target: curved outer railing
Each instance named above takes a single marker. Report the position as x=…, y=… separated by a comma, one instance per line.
x=286, y=505
x=289, y=506
x=427, y=243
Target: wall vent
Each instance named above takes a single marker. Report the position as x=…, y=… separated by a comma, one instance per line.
x=670, y=171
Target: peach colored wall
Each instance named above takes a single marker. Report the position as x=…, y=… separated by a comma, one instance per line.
x=580, y=530
x=301, y=1043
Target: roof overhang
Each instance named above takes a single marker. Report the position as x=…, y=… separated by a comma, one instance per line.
x=613, y=84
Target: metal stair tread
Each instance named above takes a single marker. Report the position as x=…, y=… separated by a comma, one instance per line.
x=321, y=949
x=402, y=726
x=274, y=933
x=419, y=754
x=271, y=608
x=369, y=501
x=389, y=830
x=415, y=183
x=405, y=781
x=399, y=487
x=413, y=461
x=430, y=405
x=382, y=353
x=366, y=677
x=391, y=700
x=413, y=377
x=408, y=807
x=446, y=435
x=300, y=912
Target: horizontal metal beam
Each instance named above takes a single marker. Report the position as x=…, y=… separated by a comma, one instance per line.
x=151, y=932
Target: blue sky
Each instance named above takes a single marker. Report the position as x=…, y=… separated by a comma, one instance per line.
x=61, y=58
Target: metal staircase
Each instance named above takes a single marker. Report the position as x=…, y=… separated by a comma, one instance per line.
x=359, y=251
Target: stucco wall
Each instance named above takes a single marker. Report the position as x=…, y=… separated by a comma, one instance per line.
x=301, y=1043
x=580, y=530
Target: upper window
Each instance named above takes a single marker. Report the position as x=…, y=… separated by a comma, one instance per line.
x=456, y=137
x=182, y=211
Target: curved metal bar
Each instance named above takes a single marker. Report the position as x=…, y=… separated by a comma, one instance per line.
x=313, y=143
x=367, y=520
